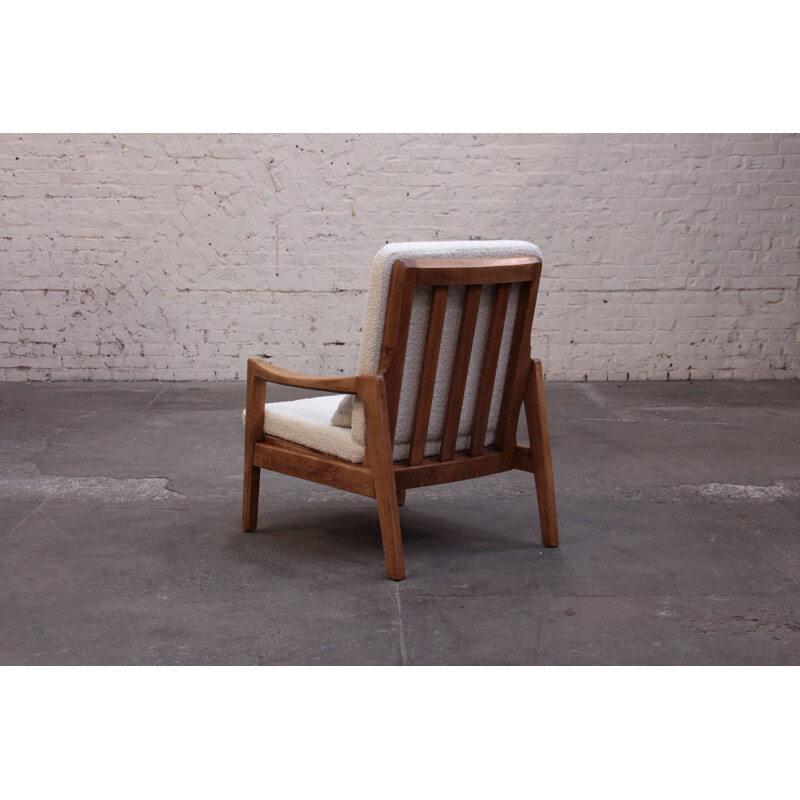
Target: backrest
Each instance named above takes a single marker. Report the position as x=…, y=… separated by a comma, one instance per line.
x=448, y=323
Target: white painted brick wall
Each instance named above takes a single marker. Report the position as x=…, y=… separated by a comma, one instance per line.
x=177, y=256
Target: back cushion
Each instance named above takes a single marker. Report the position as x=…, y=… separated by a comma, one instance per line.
x=372, y=336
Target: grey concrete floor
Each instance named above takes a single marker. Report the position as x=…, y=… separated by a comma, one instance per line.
x=678, y=507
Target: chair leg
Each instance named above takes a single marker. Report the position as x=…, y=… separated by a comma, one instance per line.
x=253, y=431
x=390, y=534
x=252, y=479
x=379, y=456
x=539, y=435
x=401, y=497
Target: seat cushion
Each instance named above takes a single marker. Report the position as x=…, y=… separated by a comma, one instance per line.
x=308, y=422
x=351, y=412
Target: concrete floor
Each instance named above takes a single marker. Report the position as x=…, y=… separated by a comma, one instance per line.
x=678, y=503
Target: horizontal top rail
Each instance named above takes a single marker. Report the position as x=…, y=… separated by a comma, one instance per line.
x=467, y=272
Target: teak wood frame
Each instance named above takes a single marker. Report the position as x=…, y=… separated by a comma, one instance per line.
x=381, y=477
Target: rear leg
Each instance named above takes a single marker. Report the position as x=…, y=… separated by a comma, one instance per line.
x=539, y=435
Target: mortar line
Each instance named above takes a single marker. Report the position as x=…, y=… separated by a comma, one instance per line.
x=277, y=218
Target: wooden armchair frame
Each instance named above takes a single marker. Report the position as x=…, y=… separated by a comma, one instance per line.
x=381, y=477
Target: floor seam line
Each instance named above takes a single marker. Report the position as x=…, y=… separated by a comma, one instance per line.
x=403, y=649
x=153, y=400
x=27, y=517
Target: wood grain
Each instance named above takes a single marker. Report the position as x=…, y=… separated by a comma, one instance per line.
x=398, y=312
x=539, y=435
x=430, y=361
x=494, y=338
x=463, y=467
x=372, y=390
x=253, y=431
x=458, y=377
x=466, y=272
x=275, y=455
x=285, y=377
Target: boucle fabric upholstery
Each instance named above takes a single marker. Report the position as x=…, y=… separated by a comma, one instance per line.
x=335, y=424
x=308, y=422
x=351, y=409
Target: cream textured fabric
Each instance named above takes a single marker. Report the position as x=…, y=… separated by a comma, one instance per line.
x=308, y=422
x=324, y=423
x=351, y=410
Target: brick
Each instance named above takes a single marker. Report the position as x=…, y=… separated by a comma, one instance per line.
x=176, y=256
x=757, y=148
x=789, y=144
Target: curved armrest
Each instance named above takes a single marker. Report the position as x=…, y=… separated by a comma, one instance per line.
x=256, y=368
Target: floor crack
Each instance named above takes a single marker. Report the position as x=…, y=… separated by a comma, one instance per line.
x=404, y=659
x=27, y=517
x=153, y=400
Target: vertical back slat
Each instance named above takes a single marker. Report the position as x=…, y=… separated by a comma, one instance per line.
x=518, y=366
x=430, y=360
x=395, y=336
x=486, y=385
x=516, y=372
x=458, y=378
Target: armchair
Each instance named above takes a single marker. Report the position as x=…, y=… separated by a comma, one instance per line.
x=444, y=370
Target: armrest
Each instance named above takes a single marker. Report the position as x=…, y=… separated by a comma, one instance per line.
x=256, y=368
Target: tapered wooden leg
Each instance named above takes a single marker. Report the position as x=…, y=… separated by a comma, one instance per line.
x=401, y=497
x=390, y=534
x=252, y=479
x=253, y=432
x=372, y=391
x=539, y=435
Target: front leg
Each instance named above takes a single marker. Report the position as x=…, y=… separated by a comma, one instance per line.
x=372, y=391
x=253, y=432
